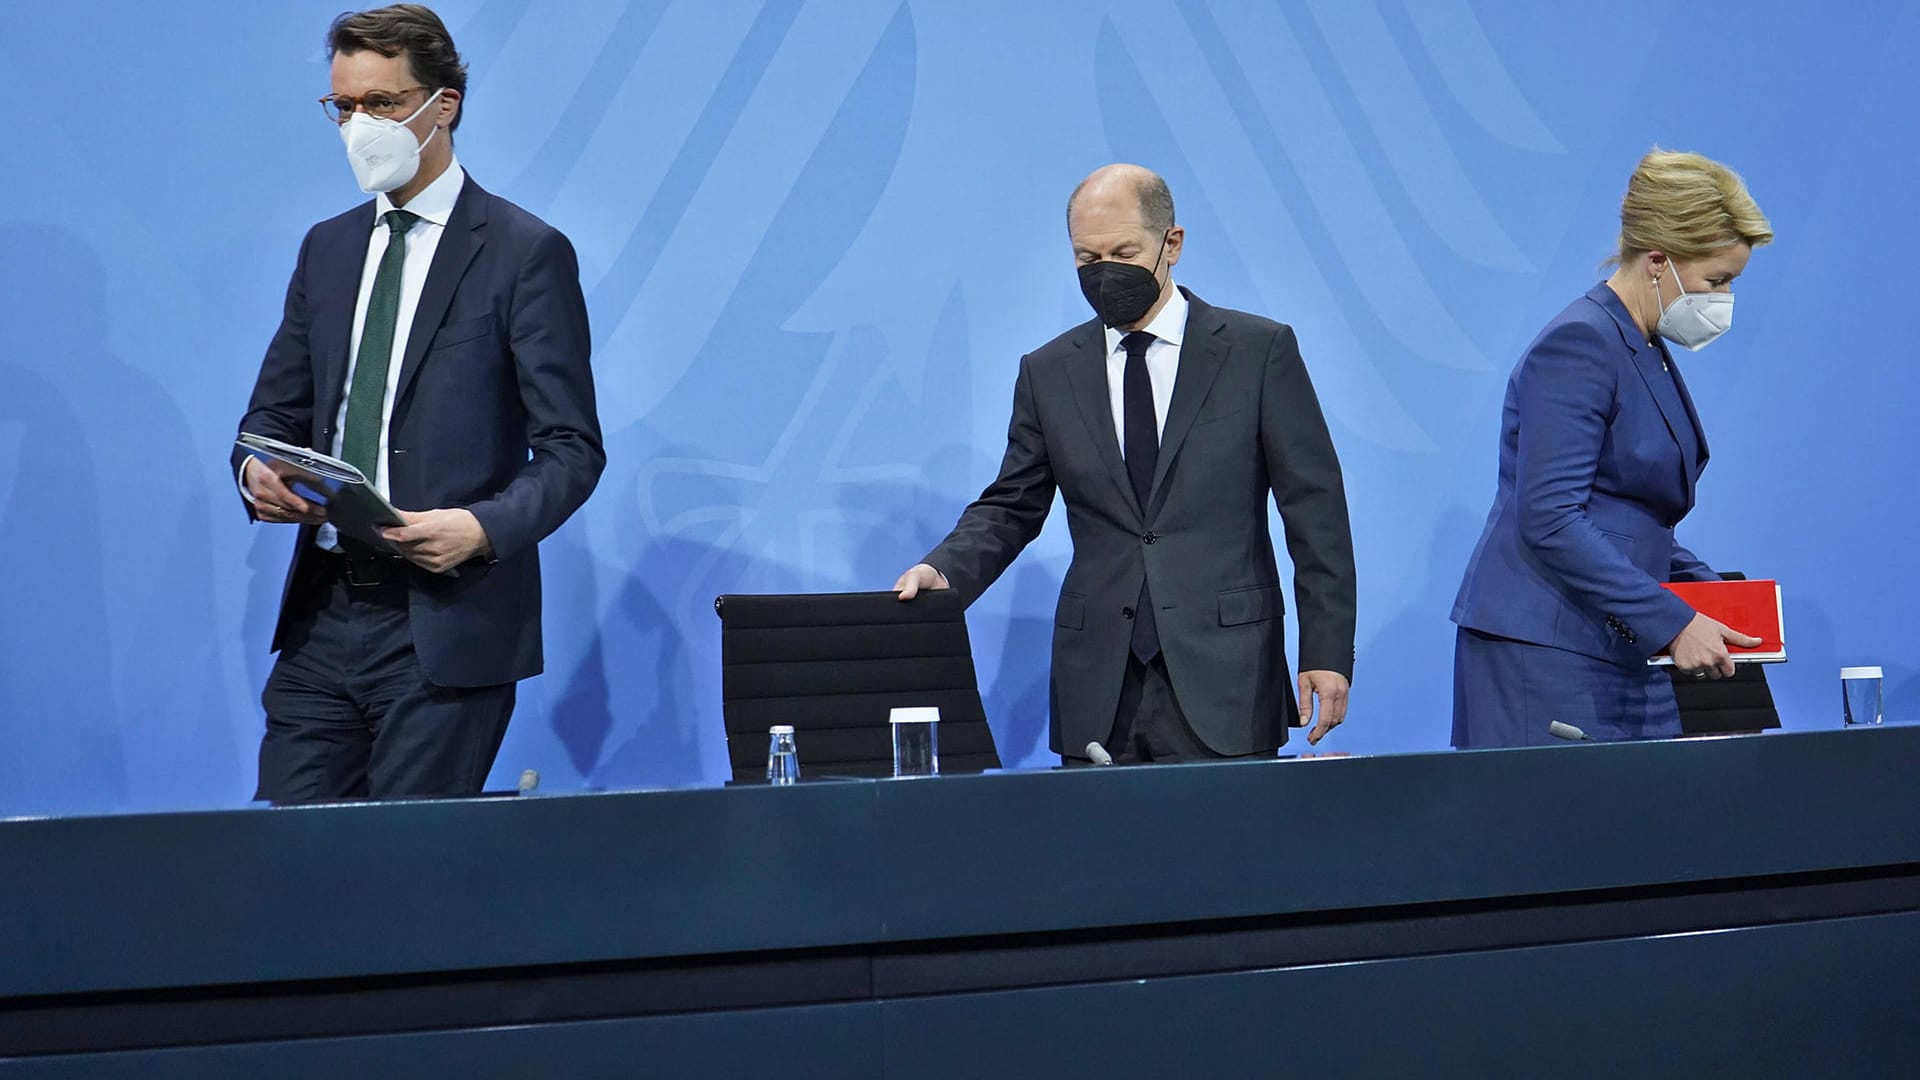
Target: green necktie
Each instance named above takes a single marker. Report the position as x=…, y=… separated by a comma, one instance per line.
x=366, y=398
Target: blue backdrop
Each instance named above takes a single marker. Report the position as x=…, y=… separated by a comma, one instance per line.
x=815, y=239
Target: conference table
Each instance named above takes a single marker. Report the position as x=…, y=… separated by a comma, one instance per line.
x=1745, y=906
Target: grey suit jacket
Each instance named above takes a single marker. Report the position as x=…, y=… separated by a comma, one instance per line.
x=1244, y=423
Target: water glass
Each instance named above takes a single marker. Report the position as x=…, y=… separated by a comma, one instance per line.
x=1860, y=696
x=783, y=758
x=916, y=741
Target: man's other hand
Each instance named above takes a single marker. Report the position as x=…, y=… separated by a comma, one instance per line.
x=1330, y=687
x=438, y=540
x=919, y=576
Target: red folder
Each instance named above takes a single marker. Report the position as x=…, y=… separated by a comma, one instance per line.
x=1751, y=607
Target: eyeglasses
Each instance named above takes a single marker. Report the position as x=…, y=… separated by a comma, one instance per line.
x=379, y=103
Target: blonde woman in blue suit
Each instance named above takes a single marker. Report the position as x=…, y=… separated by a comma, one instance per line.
x=1600, y=451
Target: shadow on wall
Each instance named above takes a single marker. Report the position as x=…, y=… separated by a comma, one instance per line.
x=1019, y=698
x=732, y=482
x=783, y=508
x=641, y=677
x=580, y=713
x=626, y=711
x=58, y=730
x=1420, y=627
x=109, y=666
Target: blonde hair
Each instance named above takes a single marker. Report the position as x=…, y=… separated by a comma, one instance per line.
x=1687, y=207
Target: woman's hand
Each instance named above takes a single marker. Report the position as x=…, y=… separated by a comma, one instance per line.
x=1700, y=650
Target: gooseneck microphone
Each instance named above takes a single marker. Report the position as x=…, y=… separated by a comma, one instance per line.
x=1568, y=732
x=1098, y=754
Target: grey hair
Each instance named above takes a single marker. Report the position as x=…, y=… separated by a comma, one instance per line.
x=1156, y=201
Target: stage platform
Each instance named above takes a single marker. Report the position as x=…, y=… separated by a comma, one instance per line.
x=1741, y=907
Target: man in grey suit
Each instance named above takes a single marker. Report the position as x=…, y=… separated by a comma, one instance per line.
x=1165, y=422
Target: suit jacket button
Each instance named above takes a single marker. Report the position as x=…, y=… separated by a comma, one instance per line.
x=1151, y=537
x=1126, y=613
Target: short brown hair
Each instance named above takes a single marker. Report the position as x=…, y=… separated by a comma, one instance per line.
x=410, y=29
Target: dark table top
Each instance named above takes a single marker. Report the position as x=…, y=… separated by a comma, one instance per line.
x=254, y=895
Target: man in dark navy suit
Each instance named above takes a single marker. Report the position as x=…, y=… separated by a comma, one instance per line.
x=437, y=338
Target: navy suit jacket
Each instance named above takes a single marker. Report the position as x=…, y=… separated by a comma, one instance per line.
x=494, y=412
x=1600, y=449
x=1243, y=427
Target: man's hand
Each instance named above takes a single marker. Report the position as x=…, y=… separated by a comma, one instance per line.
x=919, y=576
x=1700, y=650
x=438, y=540
x=1331, y=688
x=275, y=501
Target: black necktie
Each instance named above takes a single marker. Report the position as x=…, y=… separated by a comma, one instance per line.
x=1141, y=444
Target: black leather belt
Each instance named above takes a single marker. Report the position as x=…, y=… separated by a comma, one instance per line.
x=360, y=567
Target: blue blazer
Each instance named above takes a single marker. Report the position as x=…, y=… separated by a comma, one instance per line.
x=1600, y=449
x=494, y=412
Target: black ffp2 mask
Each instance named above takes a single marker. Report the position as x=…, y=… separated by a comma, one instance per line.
x=1121, y=293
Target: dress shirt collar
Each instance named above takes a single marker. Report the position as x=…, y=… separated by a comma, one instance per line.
x=434, y=202
x=1168, y=326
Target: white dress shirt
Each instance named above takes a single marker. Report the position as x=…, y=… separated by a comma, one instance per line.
x=1163, y=363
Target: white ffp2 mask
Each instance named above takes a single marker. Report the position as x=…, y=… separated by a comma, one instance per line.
x=383, y=152
x=1693, y=320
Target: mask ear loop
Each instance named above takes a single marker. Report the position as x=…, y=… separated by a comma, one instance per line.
x=421, y=109
x=1659, y=305
x=411, y=117
x=1163, y=252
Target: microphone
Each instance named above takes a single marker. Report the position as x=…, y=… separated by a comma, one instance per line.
x=529, y=781
x=1099, y=754
x=1567, y=731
